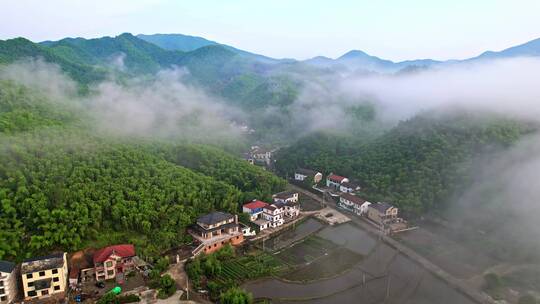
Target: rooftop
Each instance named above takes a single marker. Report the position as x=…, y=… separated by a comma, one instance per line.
x=255, y=205
x=124, y=251
x=52, y=261
x=350, y=185
x=6, y=266
x=353, y=198
x=337, y=178
x=381, y=206
x=285, y=194
x=307, y=172
x=214, y=217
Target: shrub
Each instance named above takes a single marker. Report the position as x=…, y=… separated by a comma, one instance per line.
x=128, y=299
x=236, y=295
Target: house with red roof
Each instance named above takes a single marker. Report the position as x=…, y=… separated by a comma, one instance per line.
x=113, y=261
x=335, y=181
x=254, y=209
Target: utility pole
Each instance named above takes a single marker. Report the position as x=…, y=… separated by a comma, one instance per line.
x=187, y=289
x=387, y=287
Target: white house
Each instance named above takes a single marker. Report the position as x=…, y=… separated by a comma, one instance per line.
x=353, y=203
x=348, y=187
x=8, y=282
x=286, y=196
x=335, y=181
x=261, y=155
x=274, y=215
x=302, y=174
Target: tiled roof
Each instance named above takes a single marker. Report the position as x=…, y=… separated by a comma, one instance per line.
x=306, y=172
x=124, y=251
x=285, y=194
x=52, y=261
x=6, y=266
x=255, y=205
x=214, y=218
x=381, y=207
x=353, y=198
x=336, y=178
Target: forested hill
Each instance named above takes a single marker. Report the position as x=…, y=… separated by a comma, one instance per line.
x=64, y=188
x=239, y=77
x=417, y=165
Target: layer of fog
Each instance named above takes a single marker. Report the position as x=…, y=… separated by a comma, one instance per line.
x=503, y=199
x=162, y=106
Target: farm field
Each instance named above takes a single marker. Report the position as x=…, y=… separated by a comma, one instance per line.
x=252, y=266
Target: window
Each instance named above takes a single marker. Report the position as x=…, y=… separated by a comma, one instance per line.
x=55, y=279
x=42, y=273
x=29, y=276
x=30, y=284
x=110, y=272
x=55, y=271
x=44, y=292
x=4, y=298
x=2, y=291
x=1, y=283
x=108, y=264
x=32, y=293
x=56, y=287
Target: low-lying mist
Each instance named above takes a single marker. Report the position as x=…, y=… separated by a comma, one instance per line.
x=162, y=106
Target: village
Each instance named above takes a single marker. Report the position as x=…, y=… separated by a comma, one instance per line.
x=91, y=274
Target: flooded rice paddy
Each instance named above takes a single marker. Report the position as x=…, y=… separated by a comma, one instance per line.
x=382, y=275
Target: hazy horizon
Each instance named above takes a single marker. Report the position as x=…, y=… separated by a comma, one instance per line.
x=299, y=30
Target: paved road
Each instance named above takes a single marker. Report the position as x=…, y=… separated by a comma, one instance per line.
x=434, y=269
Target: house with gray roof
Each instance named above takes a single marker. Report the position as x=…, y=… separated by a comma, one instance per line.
x=8, y=282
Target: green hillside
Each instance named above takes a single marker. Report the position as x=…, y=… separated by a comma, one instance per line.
x=63, y=187
x=418, y=164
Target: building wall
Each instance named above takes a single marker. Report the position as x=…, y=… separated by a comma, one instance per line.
x=374, y=215
x=299, y=177
x=55, y=288
x=236, y=240
x=317, y=178
x=8, y=286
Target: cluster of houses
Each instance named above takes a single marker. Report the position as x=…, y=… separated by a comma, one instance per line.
x=382, y=214
x=217, y=229
x=264, y=215
x=47, y=277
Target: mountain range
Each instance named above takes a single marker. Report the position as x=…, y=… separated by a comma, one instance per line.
x=247, y=79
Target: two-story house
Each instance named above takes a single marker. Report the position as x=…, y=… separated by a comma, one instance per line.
x=353, y=203
x=8, y=282
x=214, y=230
x=382, y=213
x=113, y=262
x=304, y=174
x=45, y=277
x=254, y=209
x=349, y=187
x=274, y=214
x=335, y=181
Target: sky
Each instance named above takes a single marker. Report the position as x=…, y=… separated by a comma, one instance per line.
x=390, y=29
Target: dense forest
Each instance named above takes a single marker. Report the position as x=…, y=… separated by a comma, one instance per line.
x=63, y=187
x=417, y=165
